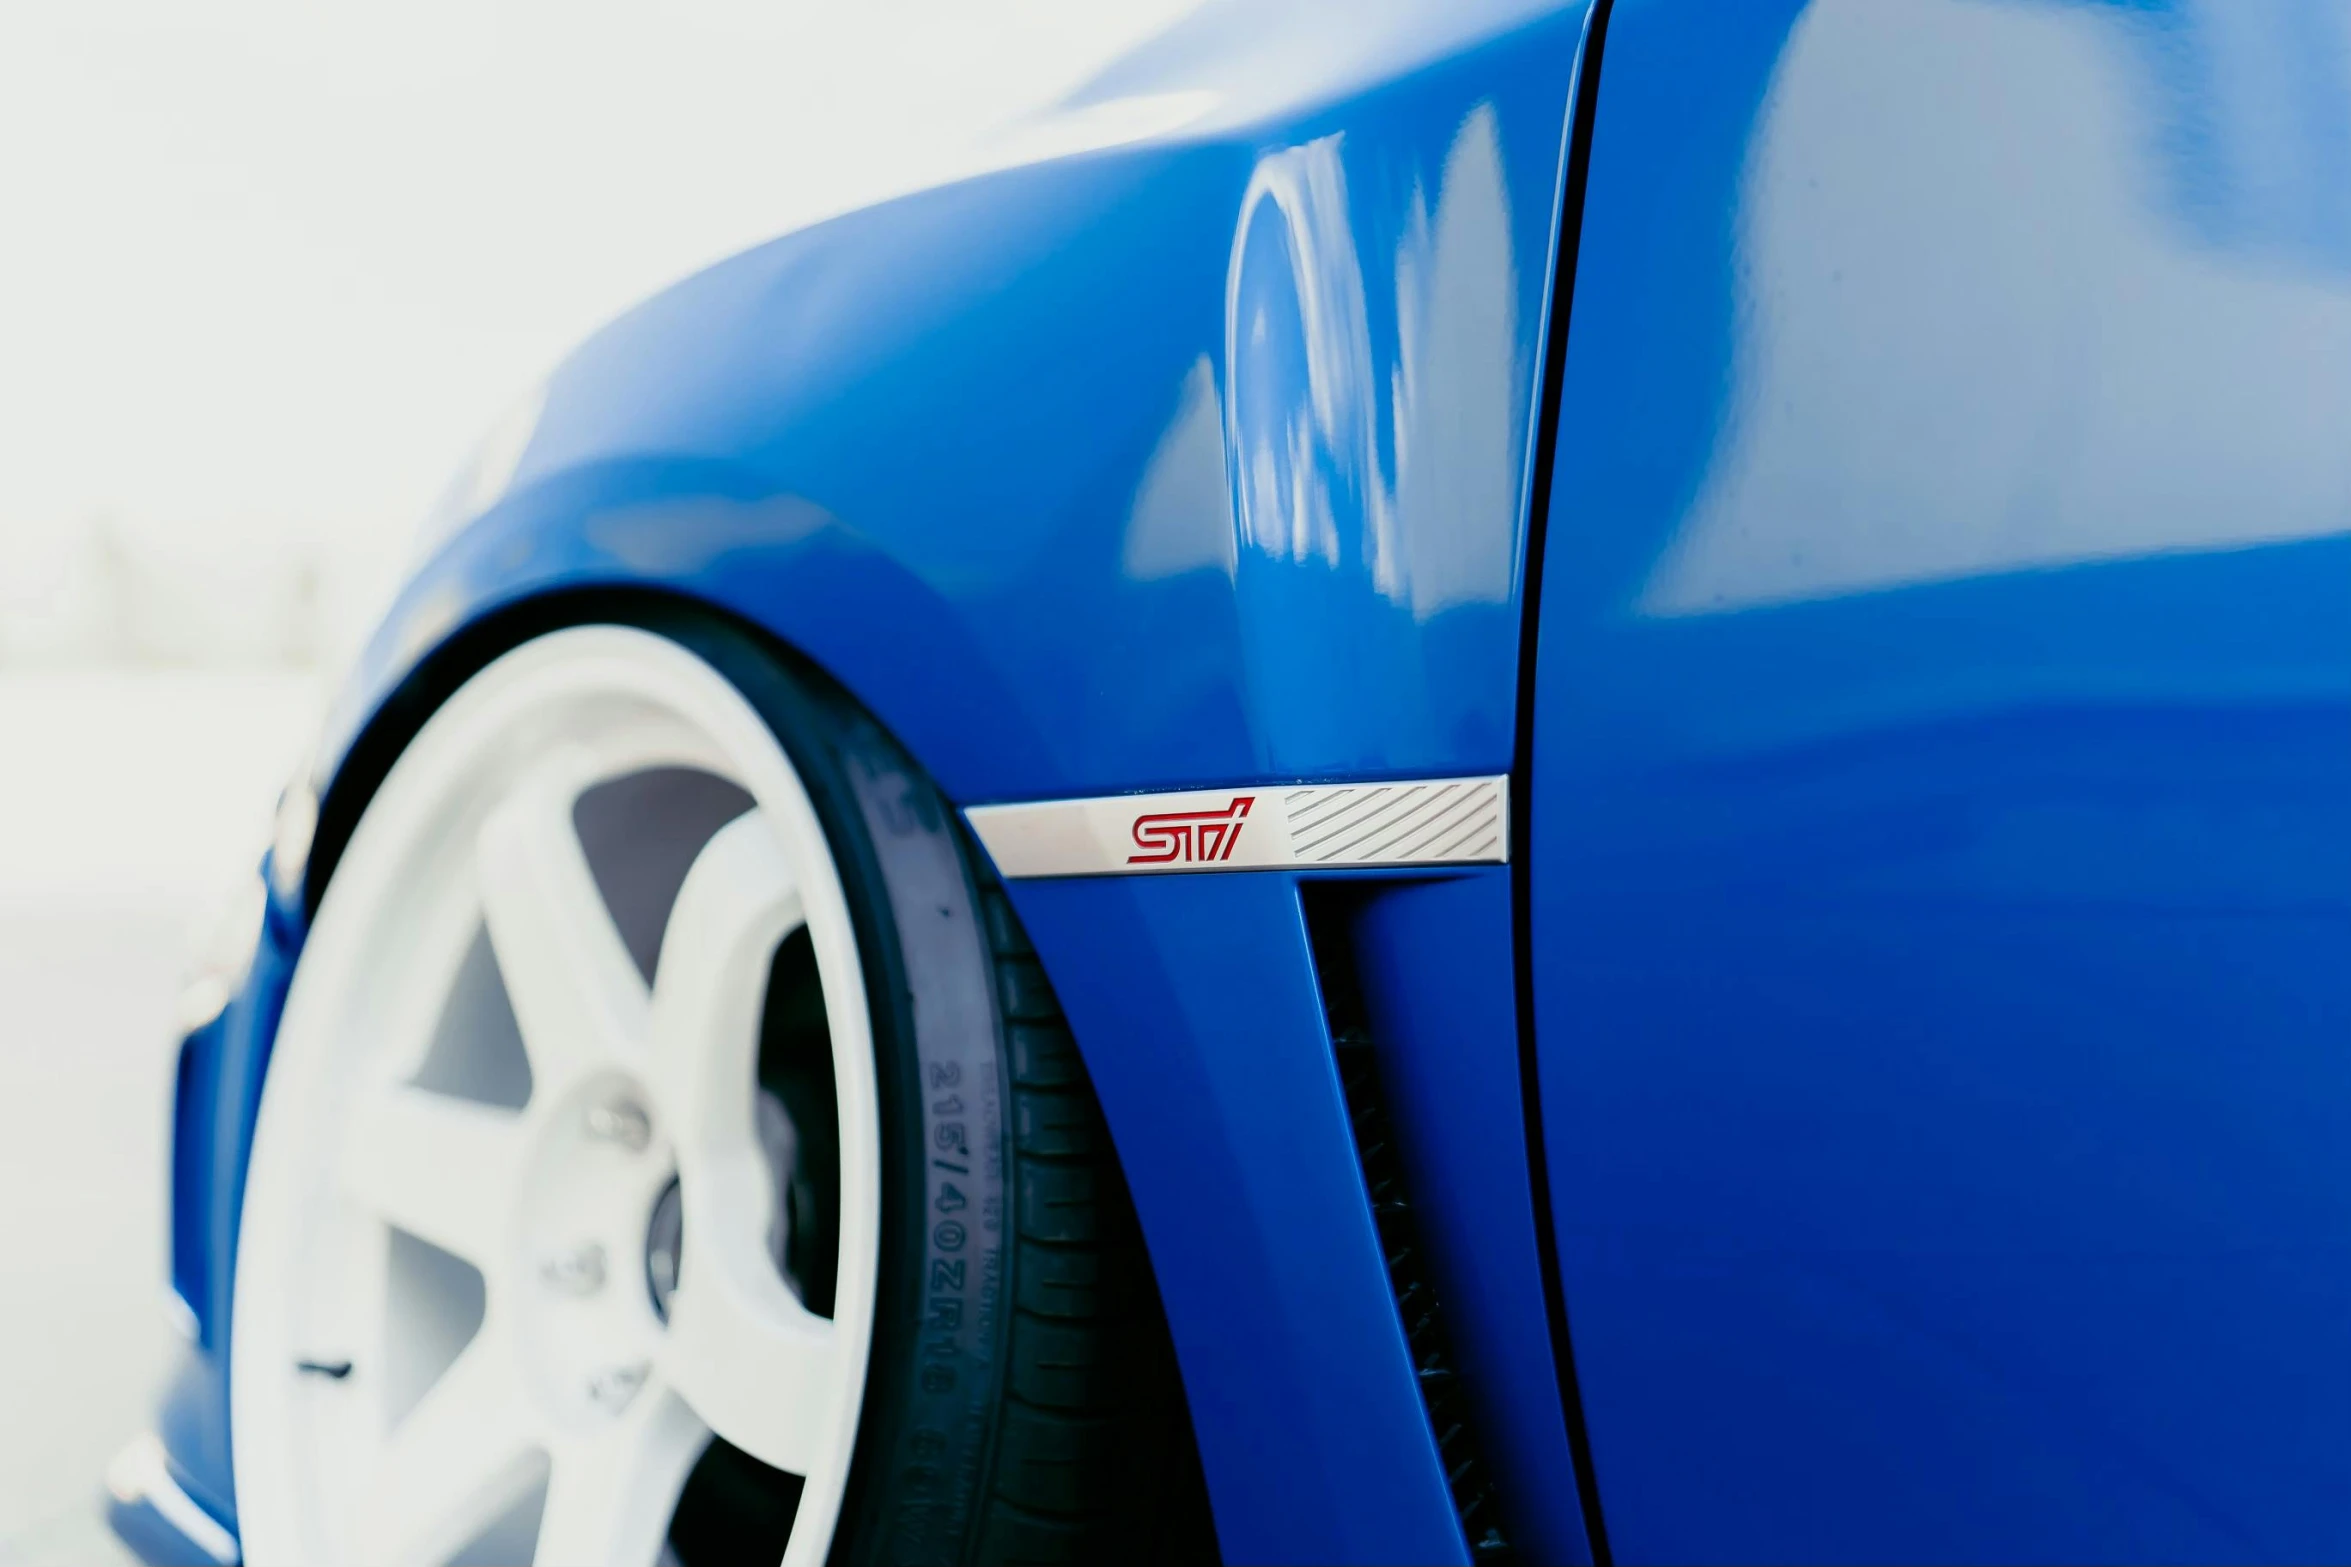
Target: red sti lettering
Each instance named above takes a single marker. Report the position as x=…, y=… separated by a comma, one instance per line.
x=1190, y=837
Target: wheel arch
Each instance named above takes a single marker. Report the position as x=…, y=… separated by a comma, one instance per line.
x=394, y=721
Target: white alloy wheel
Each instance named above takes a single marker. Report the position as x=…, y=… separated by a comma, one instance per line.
x=449, y=1336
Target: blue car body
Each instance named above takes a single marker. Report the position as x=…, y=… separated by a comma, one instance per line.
x=1876, y=474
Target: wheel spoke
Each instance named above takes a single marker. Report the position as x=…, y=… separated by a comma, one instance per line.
x=440, y=1168
x=738, y=901
x=464, y=1455
x=576, y=993
x=418, y=1200
x=743, y=1351
x=611, y=1493
x=757, y=1366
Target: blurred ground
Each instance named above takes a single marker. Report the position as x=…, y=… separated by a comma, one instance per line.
x=129, y=802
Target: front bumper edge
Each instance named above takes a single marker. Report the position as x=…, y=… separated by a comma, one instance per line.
x=162, y=1524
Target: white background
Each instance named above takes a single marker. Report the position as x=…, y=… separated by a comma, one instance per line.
x=267, y=268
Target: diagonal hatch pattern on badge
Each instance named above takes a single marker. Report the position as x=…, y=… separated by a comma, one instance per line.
x=1432, y=821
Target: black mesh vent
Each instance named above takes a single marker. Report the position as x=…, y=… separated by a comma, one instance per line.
x=1328, y=910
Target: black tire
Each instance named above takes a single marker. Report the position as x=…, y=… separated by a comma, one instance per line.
x=1022, y=1404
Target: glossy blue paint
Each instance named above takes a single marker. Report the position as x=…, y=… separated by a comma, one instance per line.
x=995, y=418
x=218, y=1096
x=195, y=1152
x=1942, y=833
x=1434, y=959
x=1091, y=474
x=1942, y=757
x=1235, y=1140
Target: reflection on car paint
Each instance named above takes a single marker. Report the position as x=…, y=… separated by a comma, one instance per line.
x=1954, y=394
x=1942, y=762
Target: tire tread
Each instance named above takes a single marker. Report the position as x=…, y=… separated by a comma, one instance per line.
x=1094, y=1458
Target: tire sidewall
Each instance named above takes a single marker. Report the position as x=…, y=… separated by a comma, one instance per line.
x=919, y=1471
x=919, y=1476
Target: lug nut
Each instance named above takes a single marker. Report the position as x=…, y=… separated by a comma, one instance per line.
x=613, y=1388
x=621, y=1121
x=579, y=1271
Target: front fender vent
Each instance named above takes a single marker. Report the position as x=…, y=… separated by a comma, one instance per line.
x=1409, y=1277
